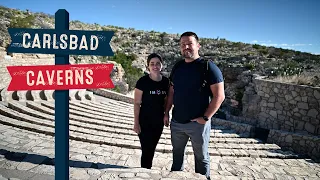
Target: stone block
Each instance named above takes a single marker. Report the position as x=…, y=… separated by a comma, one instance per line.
x=89, y=96
x=49, y=94
x=298, y=98
x=72, y=94
x=36, y=95
x=278, y=106
x=304, y=99
x=22, y=95
x=315, y=121
x=281, y=117
x=313, y=113
x=294, y=94
x=80, y=94
x=316, y=94
x=271, y=105
x=303, y=112
x=288, y=139
x=309, y=127
x=8, y=95
x=299, y=125
x=288, y=97
x=302, y=105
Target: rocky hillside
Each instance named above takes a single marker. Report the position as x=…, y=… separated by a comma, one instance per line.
x=238, y=61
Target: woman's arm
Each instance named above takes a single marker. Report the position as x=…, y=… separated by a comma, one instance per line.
x=137, y=102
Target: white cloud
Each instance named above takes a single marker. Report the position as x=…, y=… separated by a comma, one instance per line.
x=256, y=41
x=264, y=44
x=285, y=44
x=169, y=28
x=298, y=44
x=113, y=6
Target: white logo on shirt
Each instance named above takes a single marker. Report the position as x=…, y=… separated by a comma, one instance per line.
x=158, y=92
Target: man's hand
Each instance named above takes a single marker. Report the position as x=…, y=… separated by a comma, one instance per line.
x=166, y=120
x=136, y=128
x=199, y=120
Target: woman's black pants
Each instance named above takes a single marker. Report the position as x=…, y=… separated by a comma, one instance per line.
x=149, y=138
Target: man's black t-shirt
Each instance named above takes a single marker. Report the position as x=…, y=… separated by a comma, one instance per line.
x=190, y=103
x=153, y=99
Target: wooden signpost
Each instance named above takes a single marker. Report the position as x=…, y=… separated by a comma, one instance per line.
x=62, y=76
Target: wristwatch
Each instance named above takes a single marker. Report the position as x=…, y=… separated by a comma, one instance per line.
x=205, y=118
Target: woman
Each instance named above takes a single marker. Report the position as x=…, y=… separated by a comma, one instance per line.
x=149, y=103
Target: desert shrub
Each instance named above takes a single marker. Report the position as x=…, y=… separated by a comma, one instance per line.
x=256, y=46
x=289, y=69
x=132, y=74
x=249, y=66
x=22, y=22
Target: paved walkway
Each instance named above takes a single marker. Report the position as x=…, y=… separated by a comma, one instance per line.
x=103, y=146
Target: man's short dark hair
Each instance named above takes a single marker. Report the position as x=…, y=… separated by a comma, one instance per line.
x=189, y=33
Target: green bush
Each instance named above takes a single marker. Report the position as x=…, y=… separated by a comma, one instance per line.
x=263, y=51
x=249, y=66
x=162, y=41
x=22, y=22
x=132, y=74
x=256, y=46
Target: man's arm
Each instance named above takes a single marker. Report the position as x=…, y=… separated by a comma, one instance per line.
x=217, y=99
x=168, y=106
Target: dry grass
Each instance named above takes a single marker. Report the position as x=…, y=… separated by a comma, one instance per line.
x=299, y=80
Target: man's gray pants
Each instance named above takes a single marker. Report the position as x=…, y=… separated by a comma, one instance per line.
x=199, y=135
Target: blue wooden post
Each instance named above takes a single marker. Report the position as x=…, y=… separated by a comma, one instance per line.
x=22, y=44
x=61, y=109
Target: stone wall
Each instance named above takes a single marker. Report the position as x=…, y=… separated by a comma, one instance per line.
x=299, y=143
x=290, y=112
x=288, y=107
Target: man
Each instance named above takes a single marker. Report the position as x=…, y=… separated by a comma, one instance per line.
x=192, y=111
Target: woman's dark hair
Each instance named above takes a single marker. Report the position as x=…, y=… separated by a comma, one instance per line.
x=153, y=55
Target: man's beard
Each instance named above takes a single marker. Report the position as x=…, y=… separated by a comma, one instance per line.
x=187, y=54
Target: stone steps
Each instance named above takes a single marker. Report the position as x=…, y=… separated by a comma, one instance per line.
x=108, y=107
x=83, y=122
x=114, y=121
x=34, y=153
x=101, y=110
x=38, y=95
x=83, y=130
